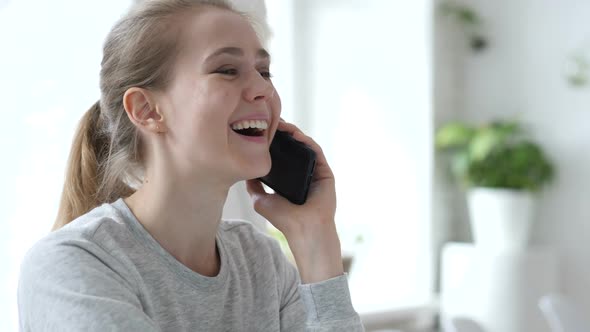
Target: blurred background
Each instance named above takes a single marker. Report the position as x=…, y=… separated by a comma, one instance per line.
x=433, y=114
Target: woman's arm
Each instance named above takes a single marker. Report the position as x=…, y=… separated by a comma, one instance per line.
x=309, y=228
x=322, y=306
x=311, y=233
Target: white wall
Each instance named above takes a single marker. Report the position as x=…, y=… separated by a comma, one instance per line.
x=521, y=73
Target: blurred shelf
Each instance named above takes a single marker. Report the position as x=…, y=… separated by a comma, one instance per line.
x=414, y=319
x=501, y=290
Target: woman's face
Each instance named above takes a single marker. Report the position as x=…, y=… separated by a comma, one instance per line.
x=221, y=86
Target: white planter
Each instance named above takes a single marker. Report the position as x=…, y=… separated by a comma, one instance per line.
x=501, y=219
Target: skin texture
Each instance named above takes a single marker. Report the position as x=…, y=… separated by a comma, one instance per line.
x=193, y=156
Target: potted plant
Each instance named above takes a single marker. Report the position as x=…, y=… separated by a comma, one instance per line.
x=502, y=170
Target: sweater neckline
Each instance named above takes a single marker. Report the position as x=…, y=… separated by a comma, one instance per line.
x=191, y=277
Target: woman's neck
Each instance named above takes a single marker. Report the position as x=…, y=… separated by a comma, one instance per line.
x=183, y=220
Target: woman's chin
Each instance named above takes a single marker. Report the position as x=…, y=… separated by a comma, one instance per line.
x=254, y=171
x=260, y=174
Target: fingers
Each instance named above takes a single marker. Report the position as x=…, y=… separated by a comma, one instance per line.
x=287, y=127
x=257, y=193
x=263, y=201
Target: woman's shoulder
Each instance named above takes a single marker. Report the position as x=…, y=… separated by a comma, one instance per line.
x=89, y=237
x=253, y=246
x=76, y=267
x=103, y=215
x=88, y=228
x=246, y=235
x=242, y=228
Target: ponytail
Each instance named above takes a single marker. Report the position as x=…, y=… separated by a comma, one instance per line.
x=84, y=175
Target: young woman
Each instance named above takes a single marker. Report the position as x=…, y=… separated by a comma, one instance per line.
x=187, y=109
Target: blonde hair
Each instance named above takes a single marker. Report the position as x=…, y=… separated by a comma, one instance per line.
x=105, y=161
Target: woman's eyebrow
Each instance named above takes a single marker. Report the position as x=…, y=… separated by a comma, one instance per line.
x=236, y=51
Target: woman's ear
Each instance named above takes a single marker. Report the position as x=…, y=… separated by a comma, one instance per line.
x=142, y=110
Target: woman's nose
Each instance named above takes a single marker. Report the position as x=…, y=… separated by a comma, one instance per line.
x=258, y=88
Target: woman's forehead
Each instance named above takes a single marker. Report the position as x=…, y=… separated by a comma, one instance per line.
x=213, y=28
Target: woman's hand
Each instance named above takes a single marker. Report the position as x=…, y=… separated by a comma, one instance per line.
x=309, y=228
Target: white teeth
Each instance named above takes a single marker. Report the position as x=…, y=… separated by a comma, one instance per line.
x=260, y=124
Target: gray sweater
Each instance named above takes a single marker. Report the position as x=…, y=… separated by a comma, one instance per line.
x=105, y=272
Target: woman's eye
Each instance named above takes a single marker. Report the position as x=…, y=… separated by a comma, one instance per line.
x=265, y=74
x=227, y=71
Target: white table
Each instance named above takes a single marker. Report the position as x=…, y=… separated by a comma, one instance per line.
x=500, y=291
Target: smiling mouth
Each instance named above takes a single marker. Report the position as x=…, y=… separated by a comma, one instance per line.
x=251, y=128
x=252, y=132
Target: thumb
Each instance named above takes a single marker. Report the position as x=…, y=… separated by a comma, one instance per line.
x=262, y=200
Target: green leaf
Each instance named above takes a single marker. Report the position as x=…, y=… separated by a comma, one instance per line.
x=453, y=135
x=496, y=155
x=506, y=128
x=467, y=16
x=483, y=143
x=521, y=166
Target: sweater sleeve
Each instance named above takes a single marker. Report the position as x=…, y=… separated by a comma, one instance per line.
x=323, y=306
x=76, y=286
x=329, y=307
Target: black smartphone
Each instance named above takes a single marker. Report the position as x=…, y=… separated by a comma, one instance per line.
x=293, y=164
